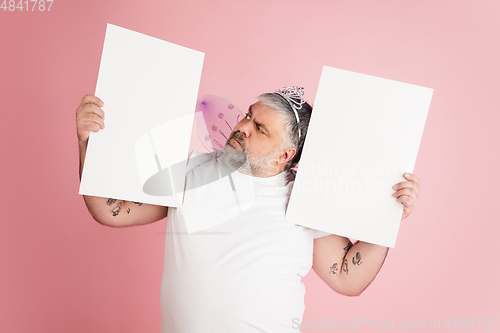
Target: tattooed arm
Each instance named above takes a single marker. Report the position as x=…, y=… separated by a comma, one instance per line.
x=110, y=212
x=121, y=213
x=347, y=268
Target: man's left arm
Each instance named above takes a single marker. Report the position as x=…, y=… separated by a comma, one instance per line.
x=350, y=268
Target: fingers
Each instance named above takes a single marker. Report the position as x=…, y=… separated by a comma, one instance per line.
x=412, y=177
x=407, y=196
x=401, y=185
x=406, y=201
x=408, y=204
x=89, y=117
x=413, y=183
x=407, y=193
x=90, y=104
x=407, y=188
x=92, y=99
x=411, y=192
x=90, y=112
x=90, y=127
x=91, y=108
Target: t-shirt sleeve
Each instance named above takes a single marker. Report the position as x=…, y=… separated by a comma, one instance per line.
x=319, y=233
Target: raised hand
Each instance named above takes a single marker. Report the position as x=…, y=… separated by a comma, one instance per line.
x=89, y=117
x=407, y=193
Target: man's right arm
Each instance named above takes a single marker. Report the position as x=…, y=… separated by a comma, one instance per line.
x=110, y=212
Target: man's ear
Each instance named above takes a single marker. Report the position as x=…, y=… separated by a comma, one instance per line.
x=287, y=154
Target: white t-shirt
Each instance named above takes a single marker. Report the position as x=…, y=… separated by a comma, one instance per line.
x=243, y=275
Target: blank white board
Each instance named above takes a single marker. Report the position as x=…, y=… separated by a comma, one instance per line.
x=147, y=85
x=364, y=134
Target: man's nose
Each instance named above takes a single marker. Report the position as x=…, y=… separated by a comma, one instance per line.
x=245, y=129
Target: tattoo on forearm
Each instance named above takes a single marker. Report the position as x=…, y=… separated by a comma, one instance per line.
x=346, y=249
x=346, y=267
x=117, y=209
x=110, y=201
x=128, y=210
x=334, y=269
x=357, y=259
x=137, y=203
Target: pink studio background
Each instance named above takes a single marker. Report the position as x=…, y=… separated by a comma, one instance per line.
x=63, y=272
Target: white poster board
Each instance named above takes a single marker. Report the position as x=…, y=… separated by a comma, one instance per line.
x=149, y=87
x=364, y=134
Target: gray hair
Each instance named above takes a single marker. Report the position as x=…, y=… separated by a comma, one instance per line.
x=291, y=139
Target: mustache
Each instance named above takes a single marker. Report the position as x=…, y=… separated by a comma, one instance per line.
x=238, y=136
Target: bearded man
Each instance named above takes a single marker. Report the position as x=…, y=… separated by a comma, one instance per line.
x=244, y=274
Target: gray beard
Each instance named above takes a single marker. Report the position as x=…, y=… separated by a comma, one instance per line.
x=244, y=162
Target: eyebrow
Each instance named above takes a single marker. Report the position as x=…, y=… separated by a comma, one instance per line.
x=256, y=123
